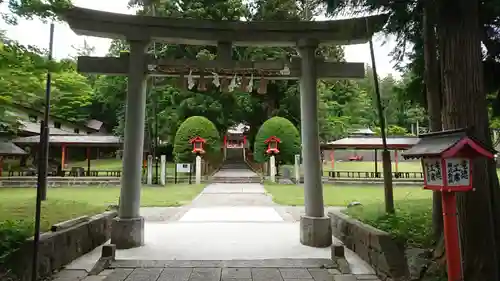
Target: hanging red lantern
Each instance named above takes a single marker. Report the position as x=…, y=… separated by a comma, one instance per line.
x=198, y=143
x=272, y=145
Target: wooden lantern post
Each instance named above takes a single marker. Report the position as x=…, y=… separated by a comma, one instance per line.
x=272, y=150
x=198, y=148
x=446, y=161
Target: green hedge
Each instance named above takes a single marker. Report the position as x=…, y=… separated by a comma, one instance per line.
x=12, y=235
x=192, y=127
x=283, y=129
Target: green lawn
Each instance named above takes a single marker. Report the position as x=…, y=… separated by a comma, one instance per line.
x=341, y=195
x=69, y=202
x=411, y=224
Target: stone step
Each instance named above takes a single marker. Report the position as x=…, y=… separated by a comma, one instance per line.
x=236, y=180
x=234, y=166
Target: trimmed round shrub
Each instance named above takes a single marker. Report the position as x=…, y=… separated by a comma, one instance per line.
x=288, y=134
x=192, y=127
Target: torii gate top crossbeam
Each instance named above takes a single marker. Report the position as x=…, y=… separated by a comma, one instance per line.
x=209, y=32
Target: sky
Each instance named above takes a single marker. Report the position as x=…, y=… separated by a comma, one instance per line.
x=35, y=32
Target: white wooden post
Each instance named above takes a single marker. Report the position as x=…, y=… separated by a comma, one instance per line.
x=297, y=168
x=163, y=176
x=272, y=164
x=198, y=169
x=150, y=170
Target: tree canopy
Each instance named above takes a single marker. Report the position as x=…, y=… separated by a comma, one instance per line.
x=284, y=130
x=192, y=127
x=77, y=96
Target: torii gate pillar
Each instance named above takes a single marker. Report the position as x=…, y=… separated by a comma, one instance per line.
x=315, y=229
x=128, y=229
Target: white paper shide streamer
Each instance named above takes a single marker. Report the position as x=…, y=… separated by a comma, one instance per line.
x=285, y=70
x=216, y=79
x=250, y=85
x=190, y=80
x=232, y=85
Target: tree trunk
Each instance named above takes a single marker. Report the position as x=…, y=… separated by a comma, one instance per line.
x=465, y=107
x=433, y=91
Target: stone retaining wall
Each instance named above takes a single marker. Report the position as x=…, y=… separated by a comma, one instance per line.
x=59, y=181
x=61, y=247
x=80, y=181
x=374, y=246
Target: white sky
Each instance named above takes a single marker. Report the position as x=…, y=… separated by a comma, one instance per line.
x=35, y=32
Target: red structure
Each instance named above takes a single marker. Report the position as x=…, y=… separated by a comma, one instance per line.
x=198, y=143
x=369, y=143
x=272, y=145
x=235, y=137
x=446, y=162
x=63, y=142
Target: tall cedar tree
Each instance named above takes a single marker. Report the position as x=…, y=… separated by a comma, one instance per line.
x=465, y=107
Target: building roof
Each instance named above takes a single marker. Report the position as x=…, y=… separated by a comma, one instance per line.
x=34, y=128
x=7, y=148
x=94, y=124
x=74, y=140
x=372, y=143
x=439, y=143
x=238, y=129
x=28, y=109
x=209, y=32
x=365, y=131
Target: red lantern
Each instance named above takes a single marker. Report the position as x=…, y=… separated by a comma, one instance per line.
x=447, y=158
x=198, y=143
x=446, y=161
x=272, y=145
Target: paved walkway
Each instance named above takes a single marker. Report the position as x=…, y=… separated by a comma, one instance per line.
x=229, y=232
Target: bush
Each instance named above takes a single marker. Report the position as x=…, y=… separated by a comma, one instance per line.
x=283, y=129
x=411, y=224
x=192, y=127
x=12, y=235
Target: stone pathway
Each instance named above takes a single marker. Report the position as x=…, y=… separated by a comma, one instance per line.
x=242, y=270
x=229, y=232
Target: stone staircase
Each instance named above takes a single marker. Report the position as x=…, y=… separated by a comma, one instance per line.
x=235, y=170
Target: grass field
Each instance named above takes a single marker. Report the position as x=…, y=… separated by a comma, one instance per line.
x=411, y=224
x=69, y=202
x=341, y=195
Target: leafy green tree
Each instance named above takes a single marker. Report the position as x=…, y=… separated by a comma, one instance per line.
x=29, y=9
x=196, y=126
x=284, y=130
x=393, y=131
x=467, y=54
x=71, y=96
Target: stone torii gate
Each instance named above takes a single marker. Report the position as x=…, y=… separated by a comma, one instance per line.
x=140, y=31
